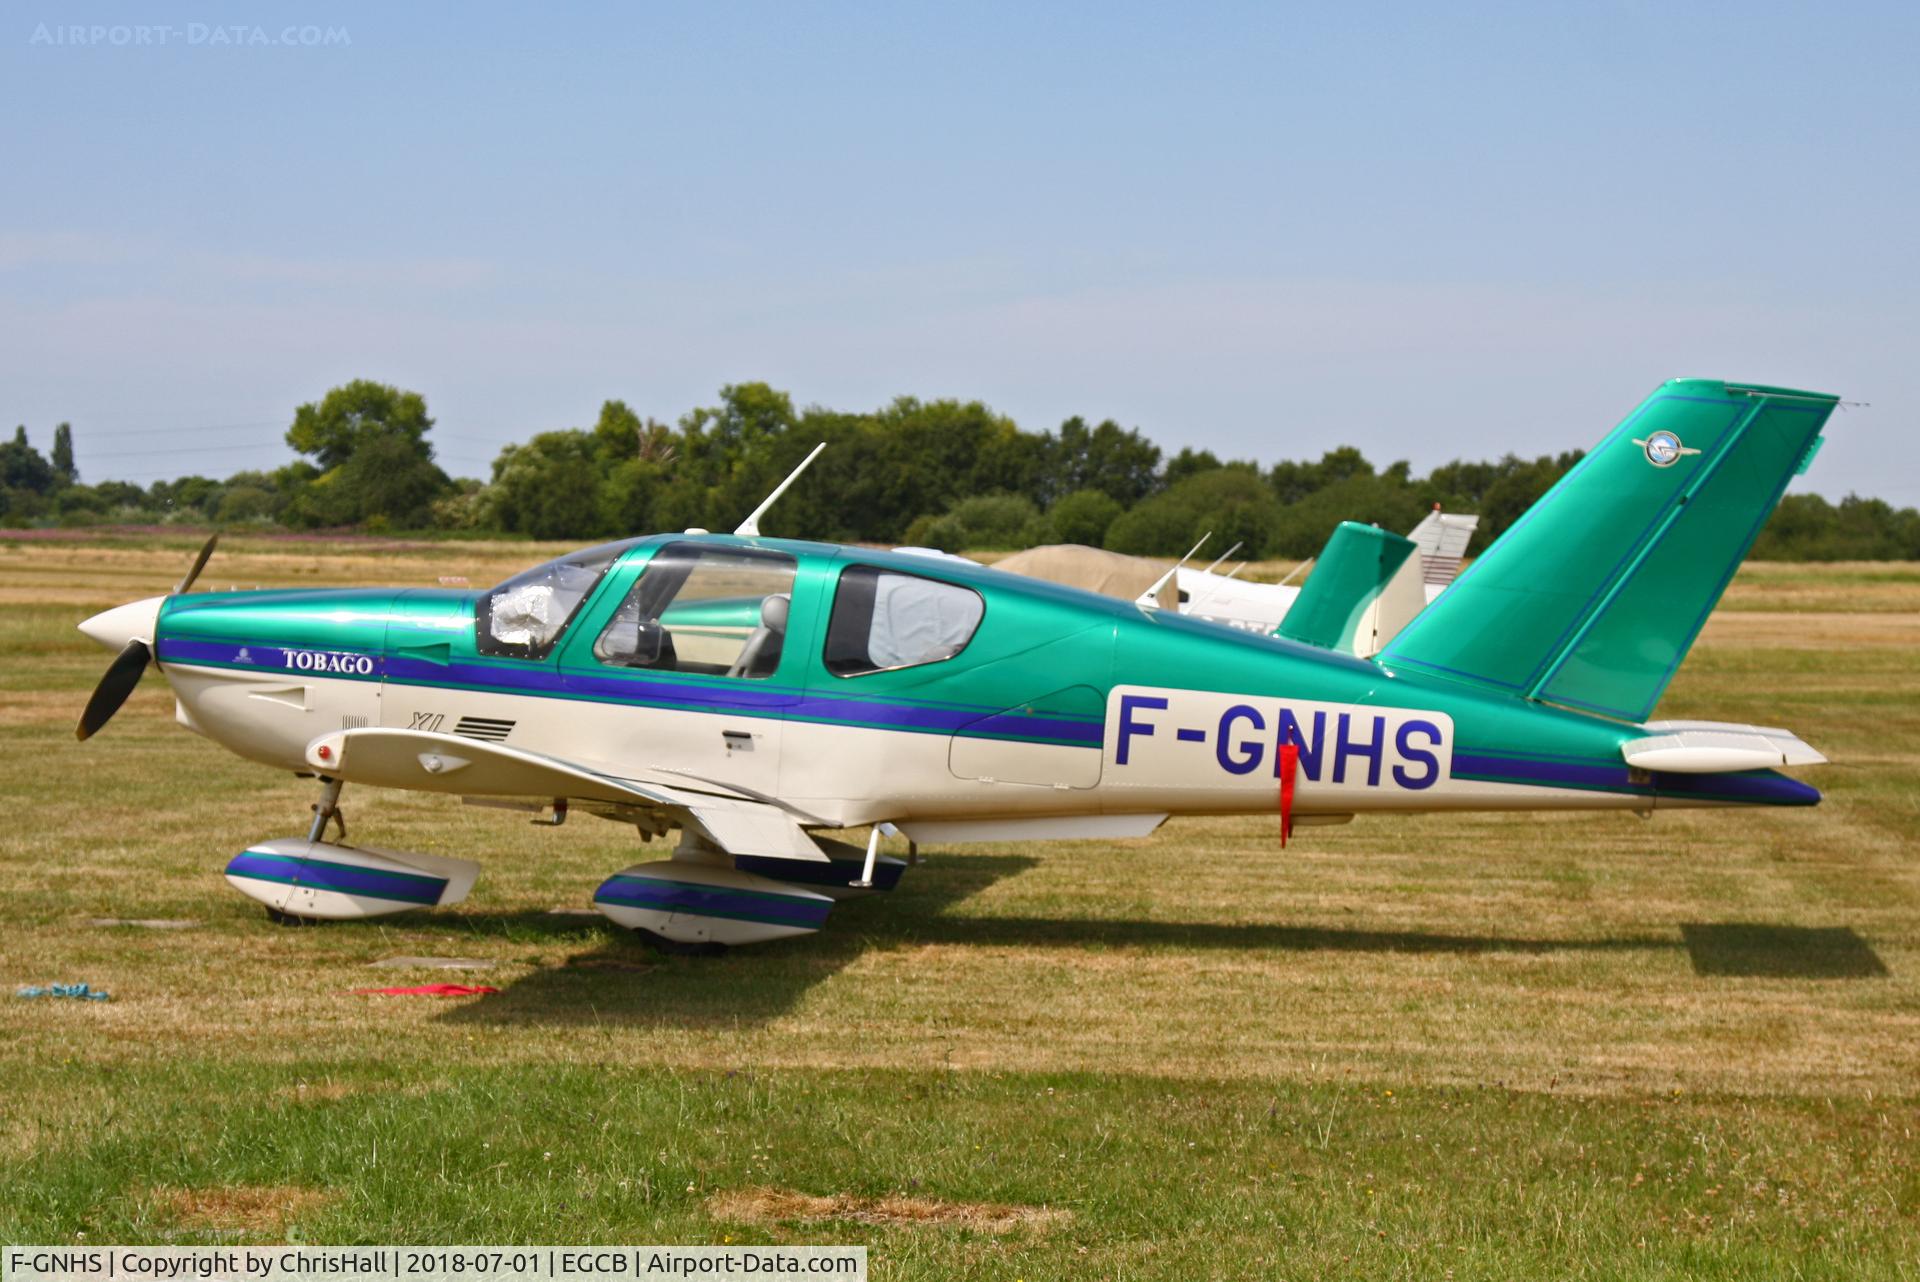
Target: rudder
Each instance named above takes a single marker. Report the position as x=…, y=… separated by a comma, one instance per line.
x=1594, y=596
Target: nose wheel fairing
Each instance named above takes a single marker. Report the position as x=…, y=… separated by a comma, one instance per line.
x=298, y=877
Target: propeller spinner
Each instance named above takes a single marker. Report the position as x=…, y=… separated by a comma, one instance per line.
x=129, y=627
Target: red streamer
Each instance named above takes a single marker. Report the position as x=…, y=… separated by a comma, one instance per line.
x=1289, y=762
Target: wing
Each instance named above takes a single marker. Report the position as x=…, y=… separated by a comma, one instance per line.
x=424, y=762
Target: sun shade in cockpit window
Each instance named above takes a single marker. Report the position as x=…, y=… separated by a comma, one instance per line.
x=883, y=620
x=524, y=616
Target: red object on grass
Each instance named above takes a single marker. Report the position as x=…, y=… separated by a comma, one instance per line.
x=1289, y=762
x=433, y=990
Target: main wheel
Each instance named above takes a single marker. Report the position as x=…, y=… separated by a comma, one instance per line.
x=279, y=918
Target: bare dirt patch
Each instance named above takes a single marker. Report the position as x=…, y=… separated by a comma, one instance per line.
x=250, y=1208
x=775, y=1206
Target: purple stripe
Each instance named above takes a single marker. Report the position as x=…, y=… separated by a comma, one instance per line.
x=547, y=681
x=346, y=879
x=1756, y=787
x=1551, y=773
x=713, y=901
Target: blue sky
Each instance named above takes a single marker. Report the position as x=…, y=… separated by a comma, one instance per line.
x=1261, y=229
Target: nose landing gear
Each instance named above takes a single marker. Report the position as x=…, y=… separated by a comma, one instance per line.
x=302, y=880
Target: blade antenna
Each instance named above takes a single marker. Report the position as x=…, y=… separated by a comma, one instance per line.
x=1151, y=597
x=750, y=528
x=1223, y=556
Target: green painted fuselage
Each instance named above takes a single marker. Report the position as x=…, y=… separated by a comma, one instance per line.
x=1045, y=669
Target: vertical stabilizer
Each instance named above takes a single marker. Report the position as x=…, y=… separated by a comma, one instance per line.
x=1594, y=596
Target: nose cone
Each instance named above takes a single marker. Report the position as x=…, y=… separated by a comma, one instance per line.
x=133, y=621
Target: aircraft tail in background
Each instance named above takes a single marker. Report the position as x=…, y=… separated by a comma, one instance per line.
x=1442, y=538
x=1594, y=596
x=1365, y=586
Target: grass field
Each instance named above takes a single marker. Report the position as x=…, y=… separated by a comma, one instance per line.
x=1504, y=1047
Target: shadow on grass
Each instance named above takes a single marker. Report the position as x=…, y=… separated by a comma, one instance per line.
x=1757, y=950
x=619, y=979
x=623, y=981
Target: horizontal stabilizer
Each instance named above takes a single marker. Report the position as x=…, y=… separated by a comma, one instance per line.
x=1714, y=747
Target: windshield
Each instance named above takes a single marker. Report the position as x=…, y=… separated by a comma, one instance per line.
x=524, y=616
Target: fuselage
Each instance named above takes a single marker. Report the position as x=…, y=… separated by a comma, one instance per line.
x=890, y=686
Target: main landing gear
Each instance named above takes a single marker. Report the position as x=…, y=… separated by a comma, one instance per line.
x=702, y=901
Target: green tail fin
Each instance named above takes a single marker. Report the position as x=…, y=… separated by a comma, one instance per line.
x=1351, y=573
x=1593, y=597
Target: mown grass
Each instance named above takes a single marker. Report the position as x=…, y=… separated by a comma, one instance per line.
x=1496, y=1046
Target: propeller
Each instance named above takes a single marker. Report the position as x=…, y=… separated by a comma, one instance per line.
x=124, y=673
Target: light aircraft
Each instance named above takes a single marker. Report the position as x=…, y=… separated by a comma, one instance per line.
x=758, y=693
x=1407, y=575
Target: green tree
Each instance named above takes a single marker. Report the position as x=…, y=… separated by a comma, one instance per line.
x=1119, y=462
x=369, y=442
x=63, y=468
x=549, y=487
x=1084, y=516
x=635, y=458
x=1294, y=481
x=1387, y=500
x=186, y=498
x=350, y=415
x=990, y=522
x=23, y=468
x=1189, y=462
x=1232, y=502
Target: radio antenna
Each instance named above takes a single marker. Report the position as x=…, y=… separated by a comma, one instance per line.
x=750, y=528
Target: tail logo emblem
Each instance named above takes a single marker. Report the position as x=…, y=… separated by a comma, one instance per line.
x=1664, y=449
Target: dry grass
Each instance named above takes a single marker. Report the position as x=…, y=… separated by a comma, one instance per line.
x=249, y=1209
x=784, y=1206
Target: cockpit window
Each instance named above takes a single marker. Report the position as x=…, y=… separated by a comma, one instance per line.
x=883, y=619
x=525, y=616
x=721, y=611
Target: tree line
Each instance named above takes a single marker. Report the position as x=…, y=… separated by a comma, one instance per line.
x=943, y=473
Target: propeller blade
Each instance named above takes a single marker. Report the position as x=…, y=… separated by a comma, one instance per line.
x=122, y=675
x=199, y=564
